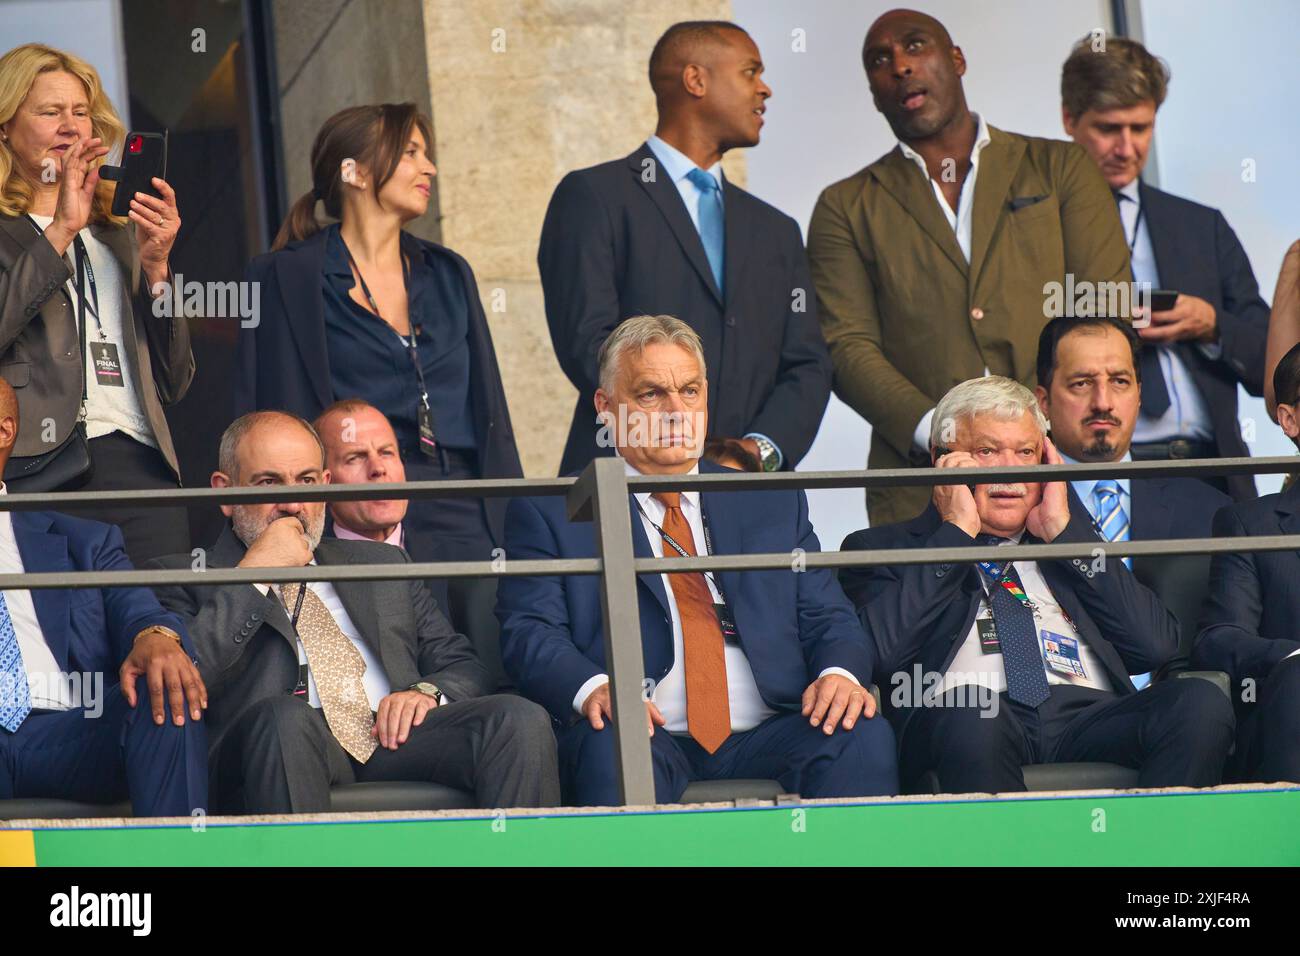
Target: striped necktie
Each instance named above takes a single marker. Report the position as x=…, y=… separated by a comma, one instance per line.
x=1111, y=518
x=15, y=693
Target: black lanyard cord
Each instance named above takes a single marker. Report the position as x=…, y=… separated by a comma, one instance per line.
x=374, y=307
x=682, y=552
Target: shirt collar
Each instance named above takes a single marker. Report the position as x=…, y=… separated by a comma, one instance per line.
x=1131, y=192
x=1083, y=487
x=347, y=534
x=677, y=164
x=690, y=497
x=981, y=140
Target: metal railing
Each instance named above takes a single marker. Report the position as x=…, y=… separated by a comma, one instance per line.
x=600, y=494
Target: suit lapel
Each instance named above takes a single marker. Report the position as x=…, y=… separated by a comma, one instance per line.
x=912, y=190
x=665, y=195
x=999, y=161
x=298, y=277
x=1162, y=237
x=358, y=597
x=641, y=549
x=41, y=551
x=21, y=234
x=739, y=236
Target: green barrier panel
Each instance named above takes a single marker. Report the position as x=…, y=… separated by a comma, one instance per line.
x=1241, y=828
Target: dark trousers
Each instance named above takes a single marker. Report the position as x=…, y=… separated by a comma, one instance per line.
x=1275, y=726
x=280, y=757
x=121, y=463
x=73, y=755
x=456, y=529
x=805, y=760
x=1175, y=733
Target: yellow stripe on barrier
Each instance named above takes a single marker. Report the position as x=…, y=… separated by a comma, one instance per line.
x=17, y=848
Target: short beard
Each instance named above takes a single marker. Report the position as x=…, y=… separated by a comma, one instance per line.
x=1099, y=450
x=250, y=526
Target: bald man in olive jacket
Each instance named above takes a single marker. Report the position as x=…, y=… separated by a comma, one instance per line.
x=926, y=279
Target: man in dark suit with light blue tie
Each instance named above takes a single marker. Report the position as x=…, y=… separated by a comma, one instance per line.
x=1212, y=338
x=1249, y=627
x=99, y=696
x=756, y=674
x=1089, y=387
x=993, y=665
x=664, y=231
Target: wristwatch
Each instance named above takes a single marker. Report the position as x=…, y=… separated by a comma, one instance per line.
x=424, y=687
x=767, y=453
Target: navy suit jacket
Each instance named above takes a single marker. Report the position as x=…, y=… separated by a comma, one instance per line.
x=284, y=363
x=921, y=613
x=1173, y=508
x=1251, y=618
x=615, y=245
x=792, y=625
x=87, y=629
x=1197, y=253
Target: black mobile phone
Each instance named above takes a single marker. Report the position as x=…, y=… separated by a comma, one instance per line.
x=1162, y=300
x=939, y=452
x=144, y=156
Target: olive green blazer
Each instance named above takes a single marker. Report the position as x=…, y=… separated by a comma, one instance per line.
x=906, y=317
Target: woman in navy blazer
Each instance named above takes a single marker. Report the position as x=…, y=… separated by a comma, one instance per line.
x=339, y=304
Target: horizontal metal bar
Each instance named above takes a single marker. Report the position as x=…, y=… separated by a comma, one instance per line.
x=245, y=494
x=209, y=577
x=968, y=555
x=731, y=481
x=890, y=477
x=723, y=562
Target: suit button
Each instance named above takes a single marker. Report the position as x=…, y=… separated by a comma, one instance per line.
x=731, y=321
x=239, y=638
x=941, y=572
x=977, y=313
x=253, y=617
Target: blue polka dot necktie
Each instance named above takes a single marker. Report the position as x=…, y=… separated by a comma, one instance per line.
x=1017, y=638
x=15, y=694
x=710, y=216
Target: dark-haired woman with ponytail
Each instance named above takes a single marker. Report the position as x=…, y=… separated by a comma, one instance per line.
x=359, y=308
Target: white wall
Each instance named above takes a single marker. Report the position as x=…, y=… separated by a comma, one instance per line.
x=1232, y=98
x=822, y=126
x=92, y=29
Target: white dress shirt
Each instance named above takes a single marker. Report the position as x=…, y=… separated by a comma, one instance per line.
x=375, y=680
x=50, y=687
x=109, y=408
x=1187, y=415
x=973, y=666
x=748, y=709
x=959, y=219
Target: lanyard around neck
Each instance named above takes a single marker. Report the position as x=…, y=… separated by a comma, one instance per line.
x=409, y=342
x=84, y=268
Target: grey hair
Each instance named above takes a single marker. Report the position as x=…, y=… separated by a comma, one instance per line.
x=634, y=334
x=228, y=455
x=1003, y=398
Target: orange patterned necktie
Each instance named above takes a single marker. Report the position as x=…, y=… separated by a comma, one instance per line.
x=708, y=711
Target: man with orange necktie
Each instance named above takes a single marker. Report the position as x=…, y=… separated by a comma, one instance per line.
x=754, y=674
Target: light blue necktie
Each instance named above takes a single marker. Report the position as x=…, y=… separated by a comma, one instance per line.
x=15, y=695
x=1114, y=527
x=710, y=216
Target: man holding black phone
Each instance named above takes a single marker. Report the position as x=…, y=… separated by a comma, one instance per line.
x=1211, y=336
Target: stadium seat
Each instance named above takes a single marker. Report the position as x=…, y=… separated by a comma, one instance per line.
x=1041, y=777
